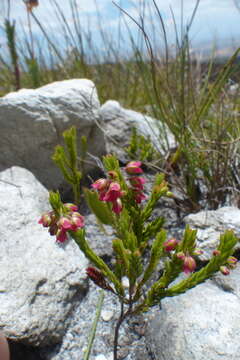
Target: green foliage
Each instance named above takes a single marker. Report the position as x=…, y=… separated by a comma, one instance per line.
x=34, y=72
x=11, y=42
x=79, y=237
x=55, y=202
x=133, y=235
x=100, y=209
x=141, y=148
x=67, y=161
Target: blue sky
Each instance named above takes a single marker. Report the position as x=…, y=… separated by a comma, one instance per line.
x=215, y=19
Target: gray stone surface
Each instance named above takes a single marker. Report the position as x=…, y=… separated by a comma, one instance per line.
x=99, y=241
x=211, y=224
x=117, y=125
x=32, y=123
x=201, y=324
x=40, y=281
x=131, y=340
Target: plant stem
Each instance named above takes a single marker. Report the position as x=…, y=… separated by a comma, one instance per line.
x=122, y=317
x=94, y=326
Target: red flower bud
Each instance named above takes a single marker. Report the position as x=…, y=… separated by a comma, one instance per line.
x=133, y=167
x=97, y=277
x=170, y=244
x=71, y=207
x=189, y=264
x=198, y=252
x=224, y=270
x=216, y=252
x=137, y=182
x=232, y=262
x=181, y=255
x=117, y=206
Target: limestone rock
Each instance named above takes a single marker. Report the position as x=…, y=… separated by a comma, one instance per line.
x=32, y=123
x=40, y=282
x=201, y=324
x=117, y=125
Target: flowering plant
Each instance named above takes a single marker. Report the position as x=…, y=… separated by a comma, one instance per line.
x=118, y=200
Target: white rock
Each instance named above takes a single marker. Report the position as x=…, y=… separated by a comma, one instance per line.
x=107, y=315
x=32, y=123
x=100, y=357
x=40, y=281
x=118, y=122
x=125, y=282
x=211, y=224
x=201, y=324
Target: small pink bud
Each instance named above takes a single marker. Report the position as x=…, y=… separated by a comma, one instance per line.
x=170, y=244
x=100, y=184
x=224, y=270
x=45, y=219
x=133, y=167
x=77, y=221
x=61, y=235
x=53, y=229
x=198, y=252
x=189, y=264
x=71, y=207
x=216, y=252
x=113, y=174
x=232, y=262
x=181, y=255
x=117, y=206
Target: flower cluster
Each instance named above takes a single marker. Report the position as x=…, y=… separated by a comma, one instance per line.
x=136, y=182
x=188, y=262
x=110, y=190
x=60, y=224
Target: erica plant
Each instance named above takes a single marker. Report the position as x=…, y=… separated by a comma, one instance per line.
x=119, y=200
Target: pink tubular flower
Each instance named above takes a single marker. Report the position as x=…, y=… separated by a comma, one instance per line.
x=138, y=196
x=117, y=206
x=71, y=207
x=134, y=167
x=100, y=184
x=77, y=221
x=61, y=236
x=64, y=223
x=137, y=182
x=45, y=220
x=189, y=264
x=114, y=192
x=170, y=244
